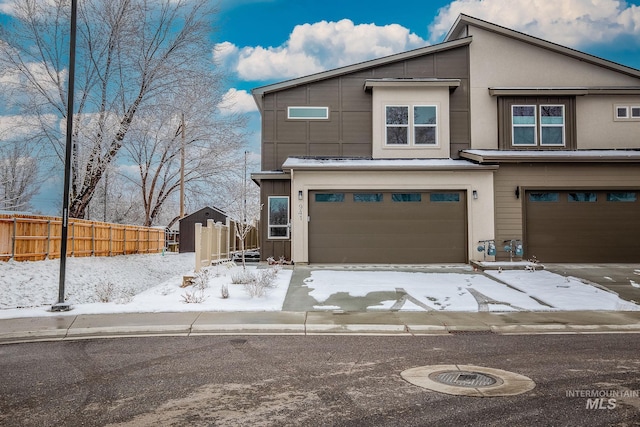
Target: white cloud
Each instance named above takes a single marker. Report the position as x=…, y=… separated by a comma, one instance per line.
x=574, y=23
x=312, y=48
x=237, y=101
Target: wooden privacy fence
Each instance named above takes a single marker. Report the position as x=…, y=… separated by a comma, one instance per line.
x=216, y=242
x=33, y=238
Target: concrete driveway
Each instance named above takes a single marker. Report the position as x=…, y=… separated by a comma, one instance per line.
x=621, y=279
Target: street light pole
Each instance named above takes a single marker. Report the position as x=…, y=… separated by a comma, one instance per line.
x=182, y=168
x=61, y=305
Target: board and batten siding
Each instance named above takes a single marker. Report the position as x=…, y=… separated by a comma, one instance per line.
x=273, y=247
x=509, y=214
x=348, y=131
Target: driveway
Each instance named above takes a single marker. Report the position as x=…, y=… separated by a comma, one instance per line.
x=468, y=290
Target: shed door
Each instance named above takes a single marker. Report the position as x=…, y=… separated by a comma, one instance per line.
x=396, y=227
x=582, y=226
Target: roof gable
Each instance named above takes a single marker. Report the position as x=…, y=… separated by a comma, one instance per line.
x=459, y=30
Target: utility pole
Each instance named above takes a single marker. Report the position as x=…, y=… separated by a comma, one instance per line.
x=61, y=305
x=182, y=168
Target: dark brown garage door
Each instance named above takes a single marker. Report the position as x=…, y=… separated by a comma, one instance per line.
x=397, y=227
x=583, y=226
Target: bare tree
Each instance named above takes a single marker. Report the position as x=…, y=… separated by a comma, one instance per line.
x=18, y=176
x=130, y=54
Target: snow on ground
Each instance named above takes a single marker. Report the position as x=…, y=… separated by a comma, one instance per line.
x=151, y=283
x=132, y=283
x=521, y=290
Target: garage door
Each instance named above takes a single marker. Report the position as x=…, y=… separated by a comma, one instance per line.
x=583, y=226
x=387, y=227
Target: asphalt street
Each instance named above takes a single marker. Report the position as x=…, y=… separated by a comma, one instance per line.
x=580, y=380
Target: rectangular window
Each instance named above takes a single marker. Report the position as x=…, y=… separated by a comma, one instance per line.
x=582, y=197
x=406, y=197
x=278, y=217
x=397, y=124
x=621, y=197
x=543, y=197
x=308, y=113
x=425, y=125
x=367, y=197
x=552, y=125
x=622, y=112
x=523, y=125
x=329, y=197
x=444, y=197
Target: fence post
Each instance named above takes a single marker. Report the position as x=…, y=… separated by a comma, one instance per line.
x=48, y=239
x=13, y=244
x=198, y=244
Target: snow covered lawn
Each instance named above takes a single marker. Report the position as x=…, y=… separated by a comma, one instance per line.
x=132, y=283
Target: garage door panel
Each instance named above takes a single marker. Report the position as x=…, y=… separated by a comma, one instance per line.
x=388, y=230
x=599, y=230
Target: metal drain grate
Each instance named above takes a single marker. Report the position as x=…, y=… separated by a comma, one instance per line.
x=463, y=378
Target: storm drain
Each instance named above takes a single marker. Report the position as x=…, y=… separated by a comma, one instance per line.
x=468, y=380
x=463, y=379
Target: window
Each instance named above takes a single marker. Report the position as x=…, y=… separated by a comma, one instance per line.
x=552, y=125
x=406, y=197
x=278, y=217
x=621, y=197
x=523, y=121
x=524, y=126
x=543, y=197
x=329, y=197
x=411, y=126
x=424, y=125
x=444, y=197
x=626, y=113
x=582, y=197
x=308, y=113
x=367, y=197
x=397, y=123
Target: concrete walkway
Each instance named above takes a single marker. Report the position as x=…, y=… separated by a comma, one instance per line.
x=299, y=318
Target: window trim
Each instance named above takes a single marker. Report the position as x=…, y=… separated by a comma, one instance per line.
x=285, y=226
x=529, y=125
x=629, y=113
x=505, y=128
x=325, y=116
x=563, y=125
x=411, y=126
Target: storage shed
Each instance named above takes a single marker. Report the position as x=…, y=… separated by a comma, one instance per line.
x=188, y=224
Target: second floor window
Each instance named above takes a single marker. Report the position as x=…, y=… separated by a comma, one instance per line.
x=411, y=125
x=537, y=125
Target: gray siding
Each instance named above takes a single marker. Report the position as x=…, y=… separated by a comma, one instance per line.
x=347, y=133
x=509, y=209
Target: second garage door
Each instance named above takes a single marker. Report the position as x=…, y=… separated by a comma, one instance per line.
x=397, y=227
x=582, y=226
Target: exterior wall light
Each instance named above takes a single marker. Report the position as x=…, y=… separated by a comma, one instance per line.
x=300, y=195
x=475, y=194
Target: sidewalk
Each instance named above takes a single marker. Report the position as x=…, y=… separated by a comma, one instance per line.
x=70, y=327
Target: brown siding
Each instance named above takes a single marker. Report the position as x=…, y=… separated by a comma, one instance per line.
x=348, y=132
x=272, y=248
x=509, y=209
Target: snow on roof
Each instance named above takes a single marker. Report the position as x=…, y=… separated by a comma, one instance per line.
x=552, y=155
x=377, y=164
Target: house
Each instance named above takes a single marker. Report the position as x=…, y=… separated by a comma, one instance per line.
x=188, y=226
x=419, y=156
